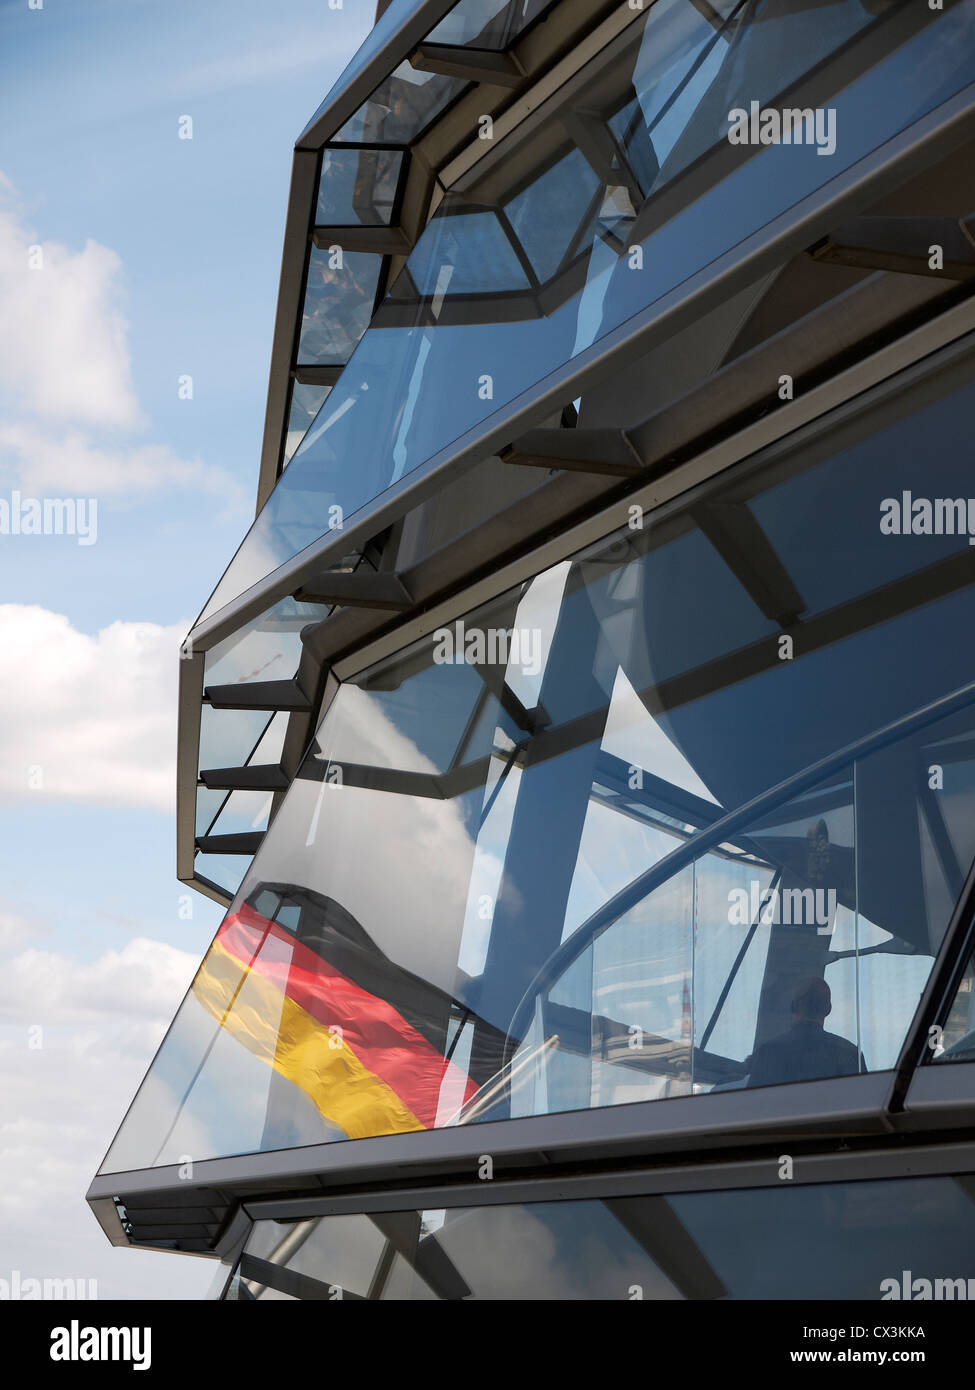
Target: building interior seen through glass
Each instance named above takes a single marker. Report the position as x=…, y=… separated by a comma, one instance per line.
x=688, y=812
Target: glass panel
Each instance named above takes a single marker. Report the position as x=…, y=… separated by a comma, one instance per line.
x=492, y=24
x=208, y=804
x=272, y=741
x=243, y=811
x=476, y=252
x=388, y=23
x=672, y=194
x=227, y=872
x=958, y=1042
x=228, y=736
x=234, y=738
x=496, y=877
x=306, y=401
x=898, y=1238
x=339, y=298
x=358, y=187
x=400, y=108
x=266, y=649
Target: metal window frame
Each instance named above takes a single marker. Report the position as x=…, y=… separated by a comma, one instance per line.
x=905, y=1100
x=913, y=1163
x=852, y=1113
x=302, y=203
x=932, y=137
x=811, y=1170
x=944, y=336
x=905, y=1161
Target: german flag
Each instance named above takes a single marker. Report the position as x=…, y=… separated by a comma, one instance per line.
x=367, y=1068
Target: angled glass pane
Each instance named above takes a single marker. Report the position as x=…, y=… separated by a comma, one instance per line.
x=654, y=823
x=866, y=1241
x=228, y=737
x=208, y=804
x=551, y=215
x=358, y=187
x=673, y=194
x=242, y=812
x=958, y=1041
x=400, y=108
x=469, y=254
x=339, y=296
x=225, y=871
x=268, y=648
x=385, y=27
x=490, y=24
x=306, y=402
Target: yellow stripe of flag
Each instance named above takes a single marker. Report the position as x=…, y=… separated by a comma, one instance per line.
x=286, y=1037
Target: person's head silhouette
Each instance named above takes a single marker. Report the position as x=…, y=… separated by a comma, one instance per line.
x=812, y=1001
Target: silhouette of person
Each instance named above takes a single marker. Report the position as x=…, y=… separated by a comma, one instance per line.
x=805, y=1051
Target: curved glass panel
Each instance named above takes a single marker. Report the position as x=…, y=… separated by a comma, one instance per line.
x=628, y=187
x=859, y=1240
x=503, y=883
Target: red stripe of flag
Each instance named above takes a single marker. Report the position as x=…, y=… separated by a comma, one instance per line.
x=381, y=1038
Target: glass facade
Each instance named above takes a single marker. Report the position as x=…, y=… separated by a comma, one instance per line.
x=659, y=822
x=561, y=235
x=780, y=1243
x=629, y=761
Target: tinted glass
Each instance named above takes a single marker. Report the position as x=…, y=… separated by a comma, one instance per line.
x=394, y=15
x=625, y=190
x=956, y=1043
x=500, y=883
x=358, y=187
x=902, y=1238
x=339, y=297
x=306, y=401
x=491, y=24
x=400, y=108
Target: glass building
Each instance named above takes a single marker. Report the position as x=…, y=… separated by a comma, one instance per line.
x=582, y=738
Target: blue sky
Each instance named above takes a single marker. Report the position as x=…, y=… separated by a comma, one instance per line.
x=159, y=259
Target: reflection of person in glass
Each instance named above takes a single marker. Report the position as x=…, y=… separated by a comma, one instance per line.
x=805, y=1051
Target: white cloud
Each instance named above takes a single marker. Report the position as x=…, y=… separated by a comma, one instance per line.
x=102, y=1022
x=14, y=931
x=64, y=356
x=145, y=978
x=88, y=718
x=48, y=466
x=64, y=347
